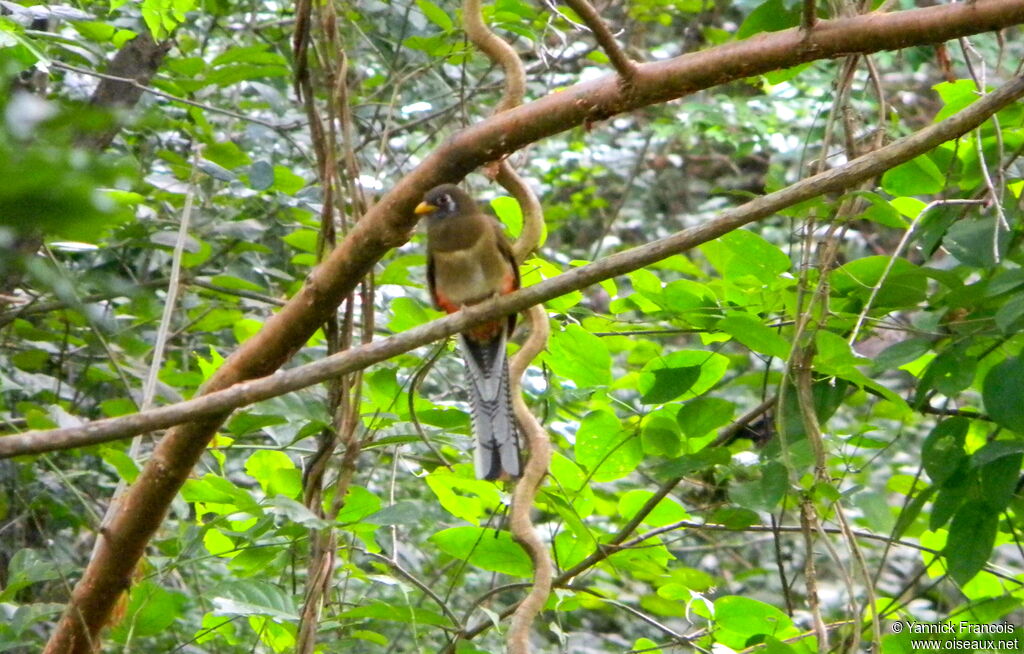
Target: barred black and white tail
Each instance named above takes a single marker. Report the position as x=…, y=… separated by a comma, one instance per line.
x=497, y=435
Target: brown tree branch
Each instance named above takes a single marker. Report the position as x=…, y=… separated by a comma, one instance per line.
x=388, y=224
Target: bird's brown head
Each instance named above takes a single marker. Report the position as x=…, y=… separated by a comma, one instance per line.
x=444, y=201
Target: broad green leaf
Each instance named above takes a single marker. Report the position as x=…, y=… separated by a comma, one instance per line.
x=686, y=373
x=407, y=313
x=435, y=14
x=286, y=181
x=302, y=239
x=749, y=617
x=902, y=353
x=770, y=16
x=999, y=476
x=468, y=499
x=1008, y=317
x=507, y=209
x=359, y=504
x=1001, y=392
x=943, y=451
x=754, y=334
x=690, y=463
x=151, y=609
x=919, y=176
x=765, y=492
x=742, y=252
x=236, y=283
x=949, y=373
x=276, y=473
x=665, y=512
x=253, y=597
x=667, y=383
x=378, y=610
x=605, y=448
x=972, y=535
x=956, y=95
x=703, y=414
x=976, y=241
x=661, y=436
x=226, y=154
x=485, y=548
x=1003, y=281
x=576, y=354
x=880, y=210
x=904, y=285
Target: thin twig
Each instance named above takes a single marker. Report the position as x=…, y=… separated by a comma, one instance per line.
x=625, y=66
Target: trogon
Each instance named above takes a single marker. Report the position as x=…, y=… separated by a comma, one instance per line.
x=469, y=260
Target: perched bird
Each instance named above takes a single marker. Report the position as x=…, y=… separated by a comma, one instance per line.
x=468, y=261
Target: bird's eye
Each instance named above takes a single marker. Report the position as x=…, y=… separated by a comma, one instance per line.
x=446, y=201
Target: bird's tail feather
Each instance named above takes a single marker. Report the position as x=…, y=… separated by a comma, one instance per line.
x=497, y=435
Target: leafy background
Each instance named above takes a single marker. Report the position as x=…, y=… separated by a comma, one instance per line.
x=642, y=379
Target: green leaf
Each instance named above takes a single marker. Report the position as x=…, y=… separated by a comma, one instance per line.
x=1004, y=281
x=770, y=16
x=690, y=463
x=764, y=493
x=687, y=372
x=942, y=453
x=668, y=383
x=881, y=211
x=956, y=95
x=661, y=436
x=485, y=548
x=151, y=610
x=976, y=241
x=749, y=617
x=949, y=373
x=509, y=212
x=394, y=612
x=467, y=499
x=743, y=253
x=905, y=285
x=407, y=512
x=972, y=535
x=703, y=414
x=576, y=354
x=302, y=239
x=226, y=154
x=902, y=353
x=253, y=597
x=275, y=472
x=1000, y=475
x=754, y=334
x=359, y=504
x=261, y=175
x=435, y=14
x=1008, y=317
x=286, y=181
x=1001, y=392
x=665, y=512
x=919, y=176
x=604, y=448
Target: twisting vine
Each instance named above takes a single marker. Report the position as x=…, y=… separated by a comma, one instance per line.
x=520, y=524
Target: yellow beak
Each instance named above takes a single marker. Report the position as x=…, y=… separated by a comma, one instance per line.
x=423, y=208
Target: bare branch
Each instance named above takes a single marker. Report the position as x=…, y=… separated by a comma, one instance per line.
x=625, y=66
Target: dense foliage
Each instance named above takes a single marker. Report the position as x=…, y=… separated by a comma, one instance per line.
x=888, y=318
